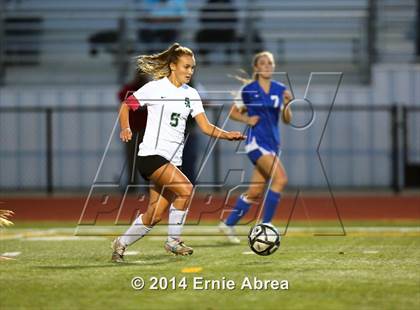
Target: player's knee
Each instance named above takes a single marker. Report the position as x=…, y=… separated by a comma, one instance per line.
x=185, y=190
x=279, y=183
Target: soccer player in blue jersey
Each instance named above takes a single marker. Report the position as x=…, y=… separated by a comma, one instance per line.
x=262, y=100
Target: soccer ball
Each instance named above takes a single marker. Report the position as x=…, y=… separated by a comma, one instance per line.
x=264, y=239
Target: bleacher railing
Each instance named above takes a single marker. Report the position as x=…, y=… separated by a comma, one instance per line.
x=60, y=149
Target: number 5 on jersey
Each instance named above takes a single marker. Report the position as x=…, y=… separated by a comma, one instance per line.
x=174, y=119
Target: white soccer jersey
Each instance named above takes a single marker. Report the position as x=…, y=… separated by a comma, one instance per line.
x=168, y=108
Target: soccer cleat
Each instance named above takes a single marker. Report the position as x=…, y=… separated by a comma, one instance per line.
x=178, y=247
x=118, y=251
x=229, y=232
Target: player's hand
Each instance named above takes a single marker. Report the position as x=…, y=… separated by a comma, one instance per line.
x=287, y=98
x=126, y=134
x=4, y=215
x=235, y=135
x=253, y=120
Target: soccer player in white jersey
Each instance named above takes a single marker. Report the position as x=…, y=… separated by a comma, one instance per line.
x=169, y=101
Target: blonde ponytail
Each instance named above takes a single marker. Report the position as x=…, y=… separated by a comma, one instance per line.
x=242, y=77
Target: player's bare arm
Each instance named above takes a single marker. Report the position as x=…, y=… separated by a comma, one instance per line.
x=125, y=133
x=214, y=131
x=241, y=115
x=286, y=112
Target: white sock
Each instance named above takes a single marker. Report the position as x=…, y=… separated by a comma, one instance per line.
x=175, y=223
x=135, y=232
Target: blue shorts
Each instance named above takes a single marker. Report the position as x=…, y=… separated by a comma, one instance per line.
x=256, y=150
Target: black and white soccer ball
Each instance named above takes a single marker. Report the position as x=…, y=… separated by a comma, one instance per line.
x=264, y=239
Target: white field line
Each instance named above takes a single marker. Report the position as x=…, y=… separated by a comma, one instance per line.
x=243, y=230
x=10, y=254
x=63, y=238
x=86, y=232
x=131, y=253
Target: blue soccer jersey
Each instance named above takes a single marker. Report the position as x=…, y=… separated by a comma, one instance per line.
x=267, y=106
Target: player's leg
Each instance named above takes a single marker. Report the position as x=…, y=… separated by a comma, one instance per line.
x=243, y=204
x=159, y=202
x=178, y=209
x=271, y=167
x=174, y=180
x=171, y=178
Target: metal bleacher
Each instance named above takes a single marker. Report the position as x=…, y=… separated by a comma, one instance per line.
x=396, y=30
x=333, y=31
x=47, y=42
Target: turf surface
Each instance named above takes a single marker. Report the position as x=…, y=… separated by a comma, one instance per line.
x=363, y=270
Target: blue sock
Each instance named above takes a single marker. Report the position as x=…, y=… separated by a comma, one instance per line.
x=241, y=208
x=270, y=205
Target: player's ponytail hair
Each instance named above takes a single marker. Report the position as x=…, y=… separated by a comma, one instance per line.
x=244, y=76
x=158, y=65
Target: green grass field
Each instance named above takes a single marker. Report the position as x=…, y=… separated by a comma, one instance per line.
x=367, y=269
